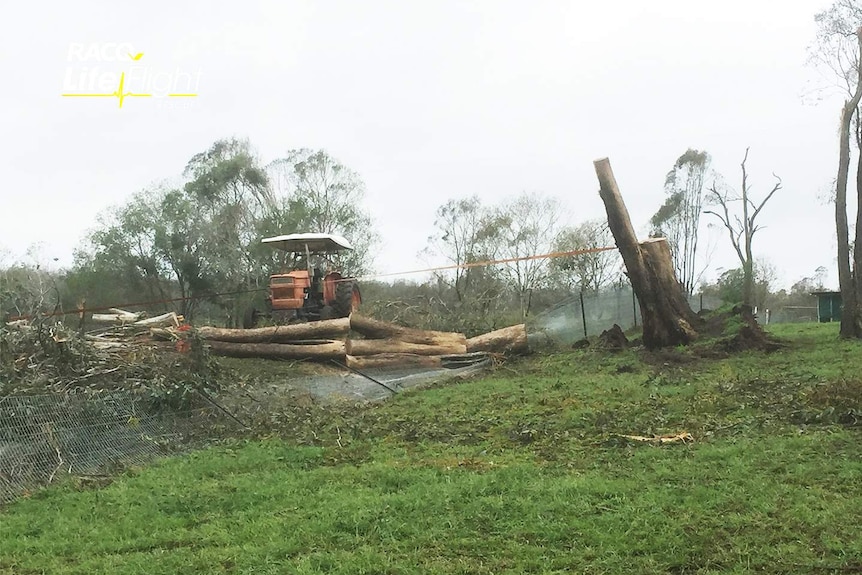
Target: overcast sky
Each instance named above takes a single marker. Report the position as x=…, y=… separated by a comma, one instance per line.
x=427, y=101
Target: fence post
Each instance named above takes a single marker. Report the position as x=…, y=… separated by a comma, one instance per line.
x=634, y=307
x=583, y=315
x=701, y=301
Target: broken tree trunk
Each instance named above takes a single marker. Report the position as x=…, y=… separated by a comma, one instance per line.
x=393, y=360
x=512, y=339
x=376, y=346
x=376, y=329
x=326, y=329
x=315, y=350
x=668, y=320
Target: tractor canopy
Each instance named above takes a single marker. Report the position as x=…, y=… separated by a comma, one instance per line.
x=315, y=243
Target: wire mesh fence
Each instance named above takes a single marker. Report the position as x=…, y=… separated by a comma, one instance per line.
x=44, y=437
x=583, y=316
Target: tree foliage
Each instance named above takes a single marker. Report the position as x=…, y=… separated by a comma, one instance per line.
x=678, y=219
x=320, y=194
x=528, y=226
x=465, y=233
x=587, y=273
x=189, y=242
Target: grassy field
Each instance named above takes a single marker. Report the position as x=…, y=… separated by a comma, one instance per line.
x=522, y=471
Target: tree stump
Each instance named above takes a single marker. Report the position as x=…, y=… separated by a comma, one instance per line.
x=668, y=320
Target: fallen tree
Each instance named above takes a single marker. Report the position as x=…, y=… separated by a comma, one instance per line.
x=126, y=318
x=308, y=350
x=378, y=346
x=376, y=329
x=116, y=315
x=512, y=339
x=668, y=320
x=325, y=329
x=393, y=360
x=399, y=360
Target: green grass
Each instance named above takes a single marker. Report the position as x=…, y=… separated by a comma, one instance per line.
x=523, y=471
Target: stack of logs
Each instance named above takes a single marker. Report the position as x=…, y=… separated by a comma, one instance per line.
x=363, y=342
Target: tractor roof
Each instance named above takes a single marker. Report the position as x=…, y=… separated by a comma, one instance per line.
x=316, y=243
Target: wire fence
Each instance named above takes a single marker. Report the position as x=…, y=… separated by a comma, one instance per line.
x=46, y=437
x=583, y=316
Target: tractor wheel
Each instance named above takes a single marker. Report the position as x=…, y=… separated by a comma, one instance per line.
x=326, y=312
x=249, y=318
x=347, y=298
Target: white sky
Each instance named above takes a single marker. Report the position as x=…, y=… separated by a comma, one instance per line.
x=428, y=101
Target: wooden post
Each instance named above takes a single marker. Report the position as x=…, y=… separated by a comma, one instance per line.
x=583, y=315
x=667, y=318
x=635, y=308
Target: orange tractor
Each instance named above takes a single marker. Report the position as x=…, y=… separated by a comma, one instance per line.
x=314, y=290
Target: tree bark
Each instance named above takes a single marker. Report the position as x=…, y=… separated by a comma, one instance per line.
x=668, y=320
x=393, y=360
x=325, y=329
x=849, y=326
x=857, y=242
x=376, y=329
x=317, y=350
x=376, y=346
x=511, y=340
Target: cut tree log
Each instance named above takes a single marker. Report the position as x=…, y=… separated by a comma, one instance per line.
x=377, y=346
x=393, y=360
x=164, y=320
x=512, y=339
x=125, y=318
x=326, y=329
x=317, y=350
x=377, y=329
x=668, y=320
x=118, y=316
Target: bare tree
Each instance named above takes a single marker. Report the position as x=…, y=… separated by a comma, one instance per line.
x=528, y=226
x=465, y=233
x=741, y=229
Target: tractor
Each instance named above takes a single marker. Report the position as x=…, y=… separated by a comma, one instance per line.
x=313, y=290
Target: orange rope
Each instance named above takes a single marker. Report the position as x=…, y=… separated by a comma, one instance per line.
x=492, y=262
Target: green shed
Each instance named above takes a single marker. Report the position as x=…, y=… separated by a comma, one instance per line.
x=828, y=305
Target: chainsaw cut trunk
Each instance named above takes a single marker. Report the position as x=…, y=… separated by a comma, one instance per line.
x=668, y=320
x=512, y=339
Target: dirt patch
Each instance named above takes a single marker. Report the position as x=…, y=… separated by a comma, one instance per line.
x=613, y=339
x=748, y=335
x=581, y=344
